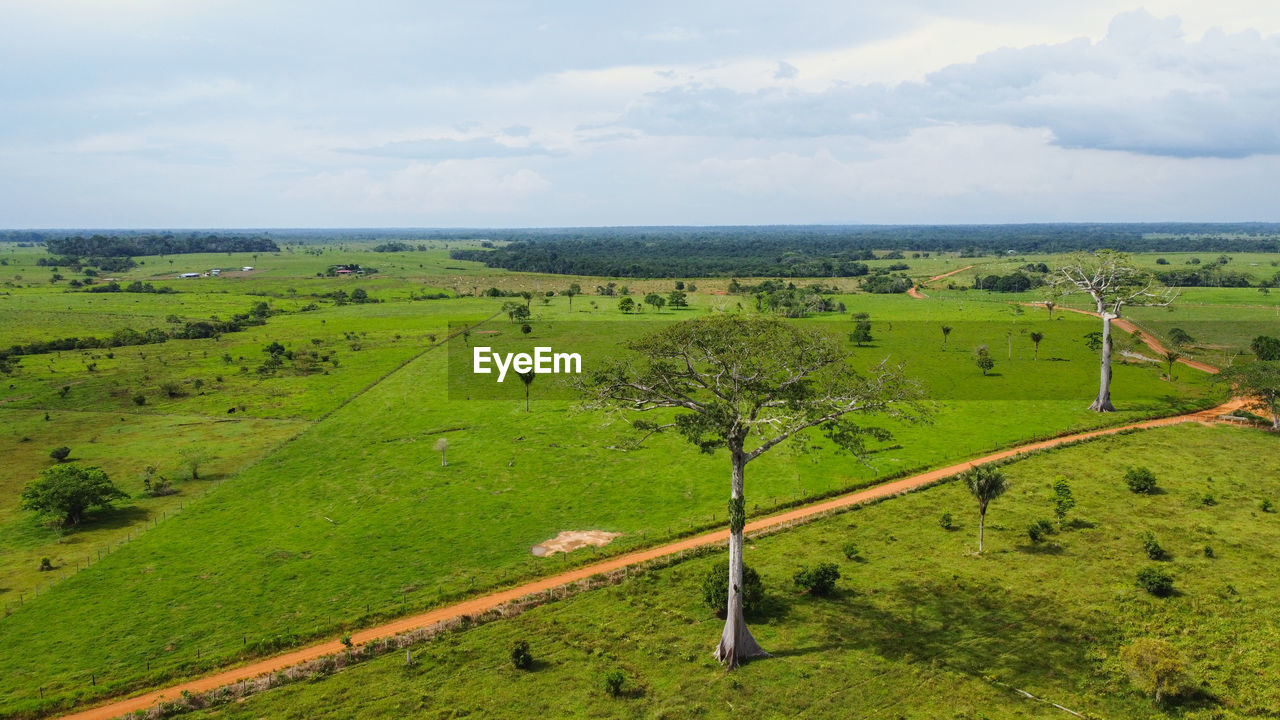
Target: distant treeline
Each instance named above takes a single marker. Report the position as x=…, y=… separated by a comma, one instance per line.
x=828, y=251
x=157, y=244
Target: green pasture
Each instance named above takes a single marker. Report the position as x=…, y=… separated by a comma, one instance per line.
x=920, y=626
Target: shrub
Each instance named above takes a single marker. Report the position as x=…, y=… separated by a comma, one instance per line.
x=1140, y=480
x=1040, y=530
x=715, y=589
x=946, y=522
x=1152, y=546
x=521, y=658
x=1208, y=500
x=1155, y=581
x=1208, y=551
x=45, y=565
x=819, y=580
x=1266, y=506
x=60, y=453
x=851, y=550
x=1155, y=667
x=613, y=682
x=1063, y=501
x=172, y=389
x=139, y=399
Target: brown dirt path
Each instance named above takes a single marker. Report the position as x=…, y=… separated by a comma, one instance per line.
x=915, y=292
x=478, y=605
x=949, y=274
x=1150, y=340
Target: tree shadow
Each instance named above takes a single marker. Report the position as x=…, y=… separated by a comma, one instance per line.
x=114, y=518
x=1044, y=549
x=1078, y=524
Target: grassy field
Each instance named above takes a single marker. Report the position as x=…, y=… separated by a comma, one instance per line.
x=355, y=520
x=916, y=609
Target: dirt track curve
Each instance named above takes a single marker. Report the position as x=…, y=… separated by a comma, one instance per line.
x=478, y=605
x=1148, y=338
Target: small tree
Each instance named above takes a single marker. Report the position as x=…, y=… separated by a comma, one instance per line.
x=656, y=300
x=1155, y=667
x=1140, y=480
x=1180, y=337
x=1155, y=581
x=574, y=290
x=1169, y=357
x=521, y=658
x=819, y=580
x=626, y=304
x=1063, y=500
x=69, y=491
x=527, y=379
x=441, y=446
x=946, y=332
x=526, y=328
x=1050, y=305
x=1036, y=337
x=193, y=458
x=60, y=453
x=982, y=356
x=1266, y=348
x=677, y=299
x=861, y=332
x=985, y=483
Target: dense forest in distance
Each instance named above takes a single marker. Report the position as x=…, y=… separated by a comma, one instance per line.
x=831, y=251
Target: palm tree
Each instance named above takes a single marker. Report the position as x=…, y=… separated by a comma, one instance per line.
x=985, y=483
x=527, y=379
x=1170, y=357
x=1050, y=305
x=946, y=330
x=1036, y=337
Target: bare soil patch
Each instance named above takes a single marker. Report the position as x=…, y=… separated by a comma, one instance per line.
x=571, y=540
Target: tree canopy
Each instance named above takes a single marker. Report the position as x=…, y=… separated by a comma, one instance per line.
x=69, y=491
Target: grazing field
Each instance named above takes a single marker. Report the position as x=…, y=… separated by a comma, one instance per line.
x=327, y=506
x=915, y=608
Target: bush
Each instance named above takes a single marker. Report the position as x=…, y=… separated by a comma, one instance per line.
x=1208, y=552
x=139, y=399
x=172, y=389
x=45, y=565
x=1152, y=546
x=1039, y=531
x=613, y=682
x=1266, y=506
x=946, y=522
x=1140, y=480
x=715, y=589
x=521, y=658
x=1155, y=581
x=819, y=580
x=60, y=453
x=851, y=551
x=1155, y=667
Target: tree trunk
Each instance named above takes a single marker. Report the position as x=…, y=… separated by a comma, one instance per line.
x=982, y=527
x=736, y=642
x=526, y=397
x=1103, y=401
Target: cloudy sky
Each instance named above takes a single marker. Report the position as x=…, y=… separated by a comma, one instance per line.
x=221, y=113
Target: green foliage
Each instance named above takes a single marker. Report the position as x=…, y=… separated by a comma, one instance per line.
x=982, y=356
x=851, y=551
x=613, y=682
x=1208, y=552
x=60, y=453
x=1155, y=581
x=1063, y=500
x=861, y=333
x=1267, y=506
x=1140, y=480
x=818, y=580
x=945, y=521
x=626, y=305
x=69, y=491
x=46, y=565
x=1266, y=348
x=1151, y=546
x=715, y=589
x=985, y=483
x=521, y=658
x=1040, y=530
x=1156, y=668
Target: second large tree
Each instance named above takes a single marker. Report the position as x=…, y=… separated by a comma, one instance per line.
x=746, y=384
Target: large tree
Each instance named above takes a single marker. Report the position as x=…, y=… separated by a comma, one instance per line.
x=69, y=491
x=1258, y=380
x=746, y=384
x=1113, y=281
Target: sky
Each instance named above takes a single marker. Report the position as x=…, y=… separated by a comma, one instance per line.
x=229, y=113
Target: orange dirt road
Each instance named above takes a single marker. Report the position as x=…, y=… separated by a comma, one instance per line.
x=1147, y=338
x=949, y=274
x=476, y=606
x=915, y=292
